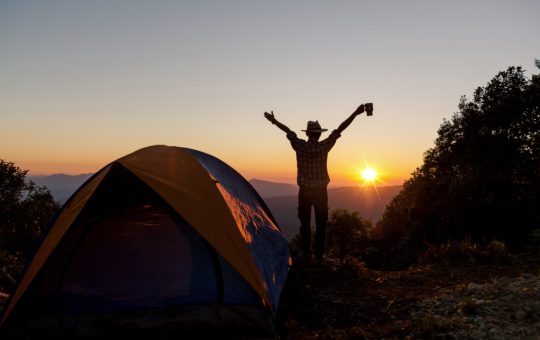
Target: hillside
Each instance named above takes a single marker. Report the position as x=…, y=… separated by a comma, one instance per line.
x=370, y=202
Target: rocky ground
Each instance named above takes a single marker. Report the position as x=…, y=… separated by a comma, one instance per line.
x=429, y=302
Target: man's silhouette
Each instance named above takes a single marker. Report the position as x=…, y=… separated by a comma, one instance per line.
x=312, y=178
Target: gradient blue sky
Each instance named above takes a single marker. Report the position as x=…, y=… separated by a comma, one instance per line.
x=83, y=83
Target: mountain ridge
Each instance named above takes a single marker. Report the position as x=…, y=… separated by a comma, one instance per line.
x=369, y=202
x=61, y=186
x=281, y=198
x=273, y=189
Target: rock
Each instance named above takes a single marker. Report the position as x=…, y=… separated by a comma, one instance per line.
x=474, y=286
x=478, y=334
x=520, y=315
x=507, y=298
x=507, y=308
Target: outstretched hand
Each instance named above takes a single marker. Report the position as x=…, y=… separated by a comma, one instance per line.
x=270, y=116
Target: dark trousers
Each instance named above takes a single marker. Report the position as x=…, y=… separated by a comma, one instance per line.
x=316, y=197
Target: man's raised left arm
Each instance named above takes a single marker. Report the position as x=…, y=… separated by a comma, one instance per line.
x=349, y=120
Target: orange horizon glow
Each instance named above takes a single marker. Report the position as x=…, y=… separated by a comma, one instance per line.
x=342, y=171
x=339, y=177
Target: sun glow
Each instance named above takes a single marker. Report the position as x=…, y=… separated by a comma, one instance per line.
x=369, y=175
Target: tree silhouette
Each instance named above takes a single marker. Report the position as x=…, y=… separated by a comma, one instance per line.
x=25, y=210
x=482, y=178
x=347, y=234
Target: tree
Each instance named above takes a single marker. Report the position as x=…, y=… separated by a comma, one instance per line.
x=482, y=178
x=347, y=233
x=25, y=210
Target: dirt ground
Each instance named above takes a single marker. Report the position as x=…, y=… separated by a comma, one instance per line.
x=350, y=301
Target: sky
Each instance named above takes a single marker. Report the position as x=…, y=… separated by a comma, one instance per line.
x=83, y=83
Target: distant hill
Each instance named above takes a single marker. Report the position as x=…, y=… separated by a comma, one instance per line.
x=368, y=201
x=281, y=198
x=272, y=189
x=62, y=186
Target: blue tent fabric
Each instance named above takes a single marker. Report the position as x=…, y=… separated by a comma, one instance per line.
x=142, y=258
x=264, y=239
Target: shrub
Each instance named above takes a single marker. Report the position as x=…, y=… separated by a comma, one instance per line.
x=466, y=252
x=347, y=234
x=25, y=210
x=535, y=248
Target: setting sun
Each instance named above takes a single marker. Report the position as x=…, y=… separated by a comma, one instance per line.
x=369, y=175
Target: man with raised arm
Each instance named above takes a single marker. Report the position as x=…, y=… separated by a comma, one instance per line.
x=312, y=178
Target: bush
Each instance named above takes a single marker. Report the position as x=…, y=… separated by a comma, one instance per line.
x=25, y=211
x=466, y=252
x=347, y=234
x=295, y=246
x=534, y=252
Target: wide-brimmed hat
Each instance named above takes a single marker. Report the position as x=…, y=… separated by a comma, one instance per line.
x=314, y=126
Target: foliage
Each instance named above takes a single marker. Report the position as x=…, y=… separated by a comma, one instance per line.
x=25, y=210
x=347, y=234
x=534, y=250
x=295, y=246
x=465, y=252
x=384, y=255
x=482, y=178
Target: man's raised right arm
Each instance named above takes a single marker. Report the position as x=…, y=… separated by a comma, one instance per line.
x=273, y=120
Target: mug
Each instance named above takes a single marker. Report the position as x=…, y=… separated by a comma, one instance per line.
x=369, y=109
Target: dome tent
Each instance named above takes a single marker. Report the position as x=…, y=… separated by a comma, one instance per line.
x=165, y=238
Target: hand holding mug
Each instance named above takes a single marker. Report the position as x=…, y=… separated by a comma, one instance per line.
x=369, y=109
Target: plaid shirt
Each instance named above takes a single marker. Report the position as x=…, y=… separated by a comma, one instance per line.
x=311, y=159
